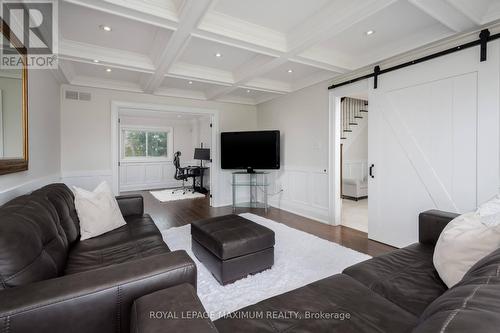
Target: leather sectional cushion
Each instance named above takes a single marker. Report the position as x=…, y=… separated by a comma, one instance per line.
x=169, y=310
x=337, y=295
x=33, y=246
x=472, y=305
x=137, y=227
x=63, y=200
x=231, y=236
x=80, y=259
x=405, y=277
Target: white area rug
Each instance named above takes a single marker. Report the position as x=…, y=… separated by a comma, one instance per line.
x=299, y=259
x=167, y=195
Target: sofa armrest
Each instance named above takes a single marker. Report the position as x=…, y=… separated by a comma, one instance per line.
x=94, y=301
x=132, y=204
x=431, y=223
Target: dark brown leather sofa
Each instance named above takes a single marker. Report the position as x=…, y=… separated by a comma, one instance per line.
x=397, y=292
x=51, y=282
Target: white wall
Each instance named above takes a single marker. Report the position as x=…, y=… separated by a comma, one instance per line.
x=302, y=118
x=44, y=138
x=86, y=126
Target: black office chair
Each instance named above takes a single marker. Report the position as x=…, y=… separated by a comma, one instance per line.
x=181, y=174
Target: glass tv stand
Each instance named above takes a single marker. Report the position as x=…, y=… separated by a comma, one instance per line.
x=252, y=182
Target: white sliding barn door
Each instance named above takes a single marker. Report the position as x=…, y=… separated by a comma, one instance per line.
x=433, y=141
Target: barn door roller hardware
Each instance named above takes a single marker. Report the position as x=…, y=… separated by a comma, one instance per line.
x=484, y=37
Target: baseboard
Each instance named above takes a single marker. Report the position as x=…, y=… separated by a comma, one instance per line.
x=155, y=186
x=27, y=187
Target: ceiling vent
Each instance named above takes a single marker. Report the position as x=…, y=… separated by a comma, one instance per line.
x=75, y=95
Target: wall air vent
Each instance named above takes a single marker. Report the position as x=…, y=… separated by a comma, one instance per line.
x=75, y=95
x=83, y=96
x=71, y=94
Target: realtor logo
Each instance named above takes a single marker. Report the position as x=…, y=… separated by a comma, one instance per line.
x=33, y=24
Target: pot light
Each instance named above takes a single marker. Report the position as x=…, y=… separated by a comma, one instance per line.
x=290, y=71
x=106, y=28
x=248, y=91
x=96, y=61
x=218, y=55
x=190, y=82
x=370, y=32
x=108, y=70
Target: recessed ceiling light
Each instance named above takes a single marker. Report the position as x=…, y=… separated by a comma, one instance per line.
x=370, y=32
x=290, y=71
x=218, y=55
x=108, y=70
x=106, y=28
x=248, y=91
x=96, y=61
x=190, y=82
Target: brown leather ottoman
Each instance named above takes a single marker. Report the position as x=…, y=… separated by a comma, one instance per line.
x=232, y=247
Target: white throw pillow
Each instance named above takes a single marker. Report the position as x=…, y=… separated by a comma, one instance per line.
x=98, y=211
x=490, y=207
x=463, y=242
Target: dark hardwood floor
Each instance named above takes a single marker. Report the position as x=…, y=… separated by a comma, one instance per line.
x=178, y=213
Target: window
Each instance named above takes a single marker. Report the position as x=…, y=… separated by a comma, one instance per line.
x=146, y=143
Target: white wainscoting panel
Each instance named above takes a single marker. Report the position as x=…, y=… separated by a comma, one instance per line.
x=86, y=179
x=136, y=176
x=29, y=186
x=305, y=192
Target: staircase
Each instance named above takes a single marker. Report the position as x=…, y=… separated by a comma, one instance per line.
x=354, y=115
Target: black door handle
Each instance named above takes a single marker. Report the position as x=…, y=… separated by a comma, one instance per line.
x=371, y=171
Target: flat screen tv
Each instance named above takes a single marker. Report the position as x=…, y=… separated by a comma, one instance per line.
x=250, y=150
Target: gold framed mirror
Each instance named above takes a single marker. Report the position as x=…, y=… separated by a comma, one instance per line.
x=13, y=110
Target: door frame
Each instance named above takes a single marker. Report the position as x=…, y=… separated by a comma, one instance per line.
x=334, y=158
x=117, y=106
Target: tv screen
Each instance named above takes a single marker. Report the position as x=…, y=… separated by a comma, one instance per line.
x=250, y=150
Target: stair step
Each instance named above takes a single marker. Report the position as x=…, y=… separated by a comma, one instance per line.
x=363, y=110
x=358, y=117
x=343, y=138
x=347, y=130
x=353, y=123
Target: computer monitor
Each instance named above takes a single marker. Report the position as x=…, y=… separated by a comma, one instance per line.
x=202, y=154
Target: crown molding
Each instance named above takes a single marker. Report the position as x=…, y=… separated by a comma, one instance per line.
x=182, y=93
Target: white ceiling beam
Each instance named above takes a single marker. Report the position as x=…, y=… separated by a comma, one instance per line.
x=219, y=24
x=338, y=16
x=87, y=53
x=87, y=81
x=154, y=15
x=446, y=14
x=192, y=13
x=321, y=26
x=471, y=9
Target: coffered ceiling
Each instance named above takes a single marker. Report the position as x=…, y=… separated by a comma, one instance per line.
x=246, y=51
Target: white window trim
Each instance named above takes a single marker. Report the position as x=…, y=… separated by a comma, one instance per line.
x=170, y=144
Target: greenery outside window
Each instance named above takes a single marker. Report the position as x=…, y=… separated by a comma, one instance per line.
x=139, y=143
